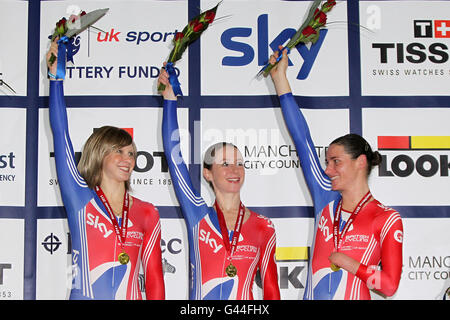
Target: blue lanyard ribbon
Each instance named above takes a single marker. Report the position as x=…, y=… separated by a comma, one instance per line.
x=173, y=79
x=65, y=52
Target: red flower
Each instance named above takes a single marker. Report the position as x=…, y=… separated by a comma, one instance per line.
x=179, y=36
x=82, y=13
x=209, y=16
x=321, y=18
x=308, y=31
x=198, y=27
x=193, y=23
x=61, y=22
x=328, y=5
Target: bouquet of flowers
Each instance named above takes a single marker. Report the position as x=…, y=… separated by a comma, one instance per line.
x=308, y=31
x=182, y=40
x=68, y=28
x=62, y=26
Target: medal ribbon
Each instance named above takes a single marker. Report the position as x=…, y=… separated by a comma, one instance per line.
x=337, y=238
x=224, y=230
x=121, y=231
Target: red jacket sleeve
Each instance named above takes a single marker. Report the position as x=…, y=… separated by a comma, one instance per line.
x=151, y=257
x=268, y=266
x=386, y=280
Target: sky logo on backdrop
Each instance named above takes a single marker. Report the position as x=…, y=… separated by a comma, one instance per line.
x=261, y=52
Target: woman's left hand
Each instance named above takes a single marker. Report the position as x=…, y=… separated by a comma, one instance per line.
x=53, y=50
x=344, y=261
x=163, y=78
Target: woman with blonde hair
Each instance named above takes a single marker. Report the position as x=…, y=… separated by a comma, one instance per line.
x=112, y=232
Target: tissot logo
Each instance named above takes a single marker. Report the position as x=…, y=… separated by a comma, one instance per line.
x=431, y=28
x=421, y=50
x=414, y=154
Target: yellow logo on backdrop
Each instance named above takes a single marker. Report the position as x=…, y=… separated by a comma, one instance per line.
x=292, y=253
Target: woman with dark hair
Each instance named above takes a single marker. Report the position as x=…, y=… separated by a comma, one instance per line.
x=228, y=242
x=112, y=233
x=358, y=241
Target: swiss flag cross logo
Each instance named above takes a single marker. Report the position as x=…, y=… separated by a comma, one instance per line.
x=442, y=28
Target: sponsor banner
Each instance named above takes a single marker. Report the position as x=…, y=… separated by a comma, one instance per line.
x=415, y=149
x=54, y=272
x=11, y=259
x=293, y=254
x=53, y=260
x=426, y=260
x=175, y=256
x=273, y=173
x=13, y=56
x=12, y=156
x=237, y=46
x=126, y=58
x=407, y=53
x=150, y=180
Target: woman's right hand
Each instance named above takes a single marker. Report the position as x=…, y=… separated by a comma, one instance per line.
x=163, y=78
x=278, y=73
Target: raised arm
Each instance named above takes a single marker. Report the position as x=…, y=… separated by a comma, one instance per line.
x=74, y=190
x=192, y=204
x=318, y=182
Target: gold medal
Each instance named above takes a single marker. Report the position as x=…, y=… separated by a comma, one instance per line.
x=334, y=267
x=123, y=258
x=231, y=270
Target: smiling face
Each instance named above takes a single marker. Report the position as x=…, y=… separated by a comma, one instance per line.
x=227, y=172
x=118, y=164
x=341, y=168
